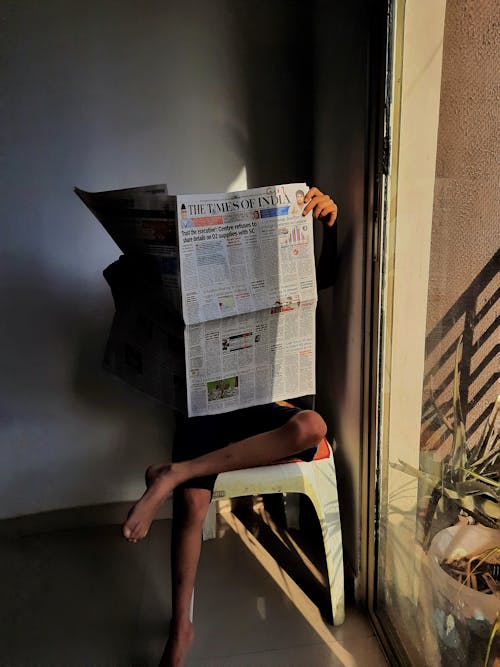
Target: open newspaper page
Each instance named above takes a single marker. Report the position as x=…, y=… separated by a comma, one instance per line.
x=248, y=296
x=145, y=347
x=142, y=223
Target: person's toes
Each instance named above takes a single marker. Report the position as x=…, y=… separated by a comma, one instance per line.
x=129, y=527
x=136, y=532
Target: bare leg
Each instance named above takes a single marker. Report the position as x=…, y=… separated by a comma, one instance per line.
x=302, y=431
x=190, y=509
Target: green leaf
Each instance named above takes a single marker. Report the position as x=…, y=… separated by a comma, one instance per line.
x=481, y=478
x=438, y=410
x=473, y=487
x=458, y=451
x=481, y=449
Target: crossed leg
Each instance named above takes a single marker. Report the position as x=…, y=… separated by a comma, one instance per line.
x=302, y=431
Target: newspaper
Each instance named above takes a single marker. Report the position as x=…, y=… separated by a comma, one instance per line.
x=145, y=346
x=142, y=223
x=229, y=275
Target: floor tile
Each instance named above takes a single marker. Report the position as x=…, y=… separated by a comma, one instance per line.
x=354, y=653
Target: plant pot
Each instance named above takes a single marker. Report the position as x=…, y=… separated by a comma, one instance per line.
x=466, y=602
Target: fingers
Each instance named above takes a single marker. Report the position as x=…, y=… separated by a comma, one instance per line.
x=311, y=192
x=322, y=206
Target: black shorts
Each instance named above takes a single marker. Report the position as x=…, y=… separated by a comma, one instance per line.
x=195, y=436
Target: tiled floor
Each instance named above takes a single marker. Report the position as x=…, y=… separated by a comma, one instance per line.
x=87, y=598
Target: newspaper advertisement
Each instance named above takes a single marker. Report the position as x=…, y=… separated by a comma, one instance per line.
x=215, y=295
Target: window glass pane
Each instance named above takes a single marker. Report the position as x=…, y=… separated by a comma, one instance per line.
x=439, y=542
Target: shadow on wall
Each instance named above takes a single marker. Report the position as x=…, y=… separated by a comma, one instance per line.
x=473, y=315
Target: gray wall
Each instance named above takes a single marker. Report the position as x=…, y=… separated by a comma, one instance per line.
x=106, y=95
x=115, y=94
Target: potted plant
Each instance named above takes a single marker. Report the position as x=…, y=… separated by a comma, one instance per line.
x=464, y=559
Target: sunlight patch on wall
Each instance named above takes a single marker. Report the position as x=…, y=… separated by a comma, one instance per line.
x=240, y=182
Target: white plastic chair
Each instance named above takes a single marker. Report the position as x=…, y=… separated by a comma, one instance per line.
x=317, y=480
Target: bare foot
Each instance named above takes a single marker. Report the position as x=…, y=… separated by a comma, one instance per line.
x=161, y=481
x=178, y=644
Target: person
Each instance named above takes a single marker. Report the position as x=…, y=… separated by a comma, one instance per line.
x=186, y=223
x=204, y=447
x=298, y=207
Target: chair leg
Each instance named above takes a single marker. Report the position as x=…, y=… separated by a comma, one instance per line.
x=292, y=510
x=209, y=525
x=326, y=505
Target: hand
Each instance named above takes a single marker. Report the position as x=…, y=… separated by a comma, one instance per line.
x=323, y=207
